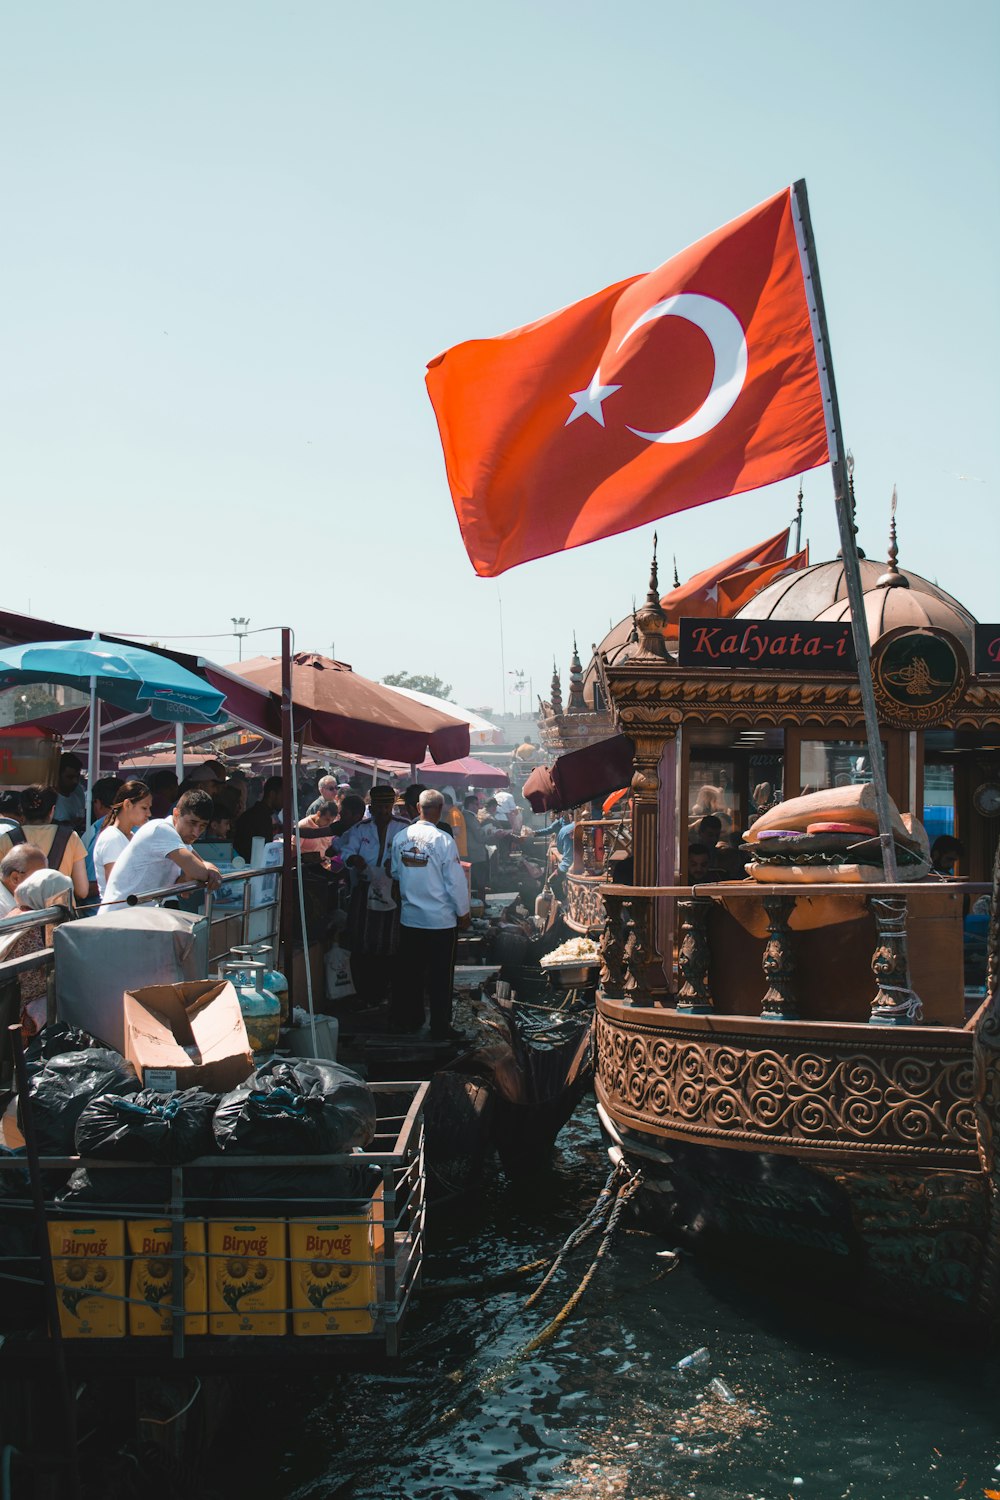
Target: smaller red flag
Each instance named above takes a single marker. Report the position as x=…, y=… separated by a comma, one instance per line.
x=699, y=596
x=738, y=590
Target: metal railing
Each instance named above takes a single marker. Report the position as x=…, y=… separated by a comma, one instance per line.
x=359, y=1296
x=216, y=912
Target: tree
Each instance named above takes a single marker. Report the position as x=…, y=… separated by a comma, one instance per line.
x=417, y=682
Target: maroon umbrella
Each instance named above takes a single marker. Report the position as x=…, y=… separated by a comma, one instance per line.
x=340, y=710
x=581, y=775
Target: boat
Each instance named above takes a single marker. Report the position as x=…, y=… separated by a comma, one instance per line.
x=805, y=1073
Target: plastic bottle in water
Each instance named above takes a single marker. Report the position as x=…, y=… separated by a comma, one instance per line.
x=695, y=1361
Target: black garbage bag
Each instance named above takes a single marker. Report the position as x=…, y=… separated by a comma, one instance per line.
x=121, y=1190
x=148, y=1126
x=64, y=1085
x=291, y=1107
x=54, y=1040
x=294, y=1192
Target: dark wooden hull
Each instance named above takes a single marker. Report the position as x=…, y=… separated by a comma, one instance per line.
x=857, y=1154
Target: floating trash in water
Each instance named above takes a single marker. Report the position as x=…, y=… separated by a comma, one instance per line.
x=719, y=1388
x=694, y=1361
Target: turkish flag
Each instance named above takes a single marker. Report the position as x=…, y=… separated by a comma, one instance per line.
x=696, y=381
x=699, y=596
x=740, y=588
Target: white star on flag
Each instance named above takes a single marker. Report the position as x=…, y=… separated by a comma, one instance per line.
x=589, y=403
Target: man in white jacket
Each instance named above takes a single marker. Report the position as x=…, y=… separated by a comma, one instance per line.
x=434, y=904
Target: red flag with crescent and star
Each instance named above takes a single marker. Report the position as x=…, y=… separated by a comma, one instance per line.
x=726, y=586
x=663, y=392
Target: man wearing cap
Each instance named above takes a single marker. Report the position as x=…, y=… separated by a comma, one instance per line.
x=373, y=915
x=434, y=904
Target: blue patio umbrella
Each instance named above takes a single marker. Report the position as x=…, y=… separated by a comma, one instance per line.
x=127, y=676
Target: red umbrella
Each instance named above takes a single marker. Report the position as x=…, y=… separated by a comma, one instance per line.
x=470, y=770
x=341, y=710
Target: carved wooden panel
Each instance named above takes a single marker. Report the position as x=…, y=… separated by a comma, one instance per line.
x=827, y=1097
x=584, y=910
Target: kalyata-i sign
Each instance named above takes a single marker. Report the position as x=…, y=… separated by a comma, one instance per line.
x=770, y=645
x=988, y=650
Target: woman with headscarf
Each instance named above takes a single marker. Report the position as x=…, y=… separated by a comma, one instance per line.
x=35, y=893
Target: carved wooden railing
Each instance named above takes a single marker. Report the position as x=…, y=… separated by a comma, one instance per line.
x=593, y=840
x=635, y=968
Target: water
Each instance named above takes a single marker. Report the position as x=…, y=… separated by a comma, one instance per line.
x=825, y=1405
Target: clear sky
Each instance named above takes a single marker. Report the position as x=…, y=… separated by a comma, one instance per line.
x=236, y=232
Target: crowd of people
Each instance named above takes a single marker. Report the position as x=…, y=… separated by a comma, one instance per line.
x=394, y=869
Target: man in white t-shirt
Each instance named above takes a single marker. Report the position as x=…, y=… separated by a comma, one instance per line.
x=17, y=864
x=434, y=903
x=159, y=854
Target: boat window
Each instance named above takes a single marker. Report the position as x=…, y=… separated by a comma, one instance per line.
x=939, y=799
x=830, y=763
x=714, y=790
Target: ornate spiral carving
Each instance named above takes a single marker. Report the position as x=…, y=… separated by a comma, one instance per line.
x=916, y=1102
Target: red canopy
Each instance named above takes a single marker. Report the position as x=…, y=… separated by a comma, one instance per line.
x=344, y=711
x=337, y=708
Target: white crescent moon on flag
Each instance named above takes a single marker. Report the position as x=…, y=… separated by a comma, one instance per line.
x=724, y=332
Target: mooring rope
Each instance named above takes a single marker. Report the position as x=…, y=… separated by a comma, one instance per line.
x=583, y=1231
x=610, y=1205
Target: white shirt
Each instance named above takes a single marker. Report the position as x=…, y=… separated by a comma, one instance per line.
x=505, y=802
x=144, y=865
x=433, y=888
x=109, y=844
x=363, y=839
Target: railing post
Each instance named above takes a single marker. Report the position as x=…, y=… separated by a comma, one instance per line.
x=895, y=1003
x=612, y=949
x=694, y=996
x=780, y=1003
x=641, y=958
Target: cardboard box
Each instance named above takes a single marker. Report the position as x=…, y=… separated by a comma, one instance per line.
x=247, y=1280
x=186, y=1034
x=151, y=1277
x=329, y=1294
x=88, y=1259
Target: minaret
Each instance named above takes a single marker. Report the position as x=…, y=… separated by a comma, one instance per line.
x=892, y=578
x=577, y=702
x=556, y=691
x=651, y=619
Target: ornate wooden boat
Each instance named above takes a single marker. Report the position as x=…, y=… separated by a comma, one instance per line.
x=805, y=1074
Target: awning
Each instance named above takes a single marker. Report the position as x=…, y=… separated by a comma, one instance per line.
x=581, y=775
x=342, y=710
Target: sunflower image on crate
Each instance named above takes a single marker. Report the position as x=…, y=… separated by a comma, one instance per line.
x=333, y=1274
x=151, y=1277
x=247, y=1281
x=88, y=1262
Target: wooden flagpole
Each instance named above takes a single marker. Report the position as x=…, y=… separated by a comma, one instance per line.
x=848, y=544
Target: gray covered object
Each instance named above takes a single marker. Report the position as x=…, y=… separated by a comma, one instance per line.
x=97, y=961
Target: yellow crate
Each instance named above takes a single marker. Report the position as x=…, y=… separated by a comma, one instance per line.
x=247, y=1284
x=323, y=1281
x=151, y=1277
x=88, y=1259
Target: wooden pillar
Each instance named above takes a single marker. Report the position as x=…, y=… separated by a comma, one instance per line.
x=645, y=809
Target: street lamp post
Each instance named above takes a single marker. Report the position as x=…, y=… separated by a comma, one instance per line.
x=239, y=631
